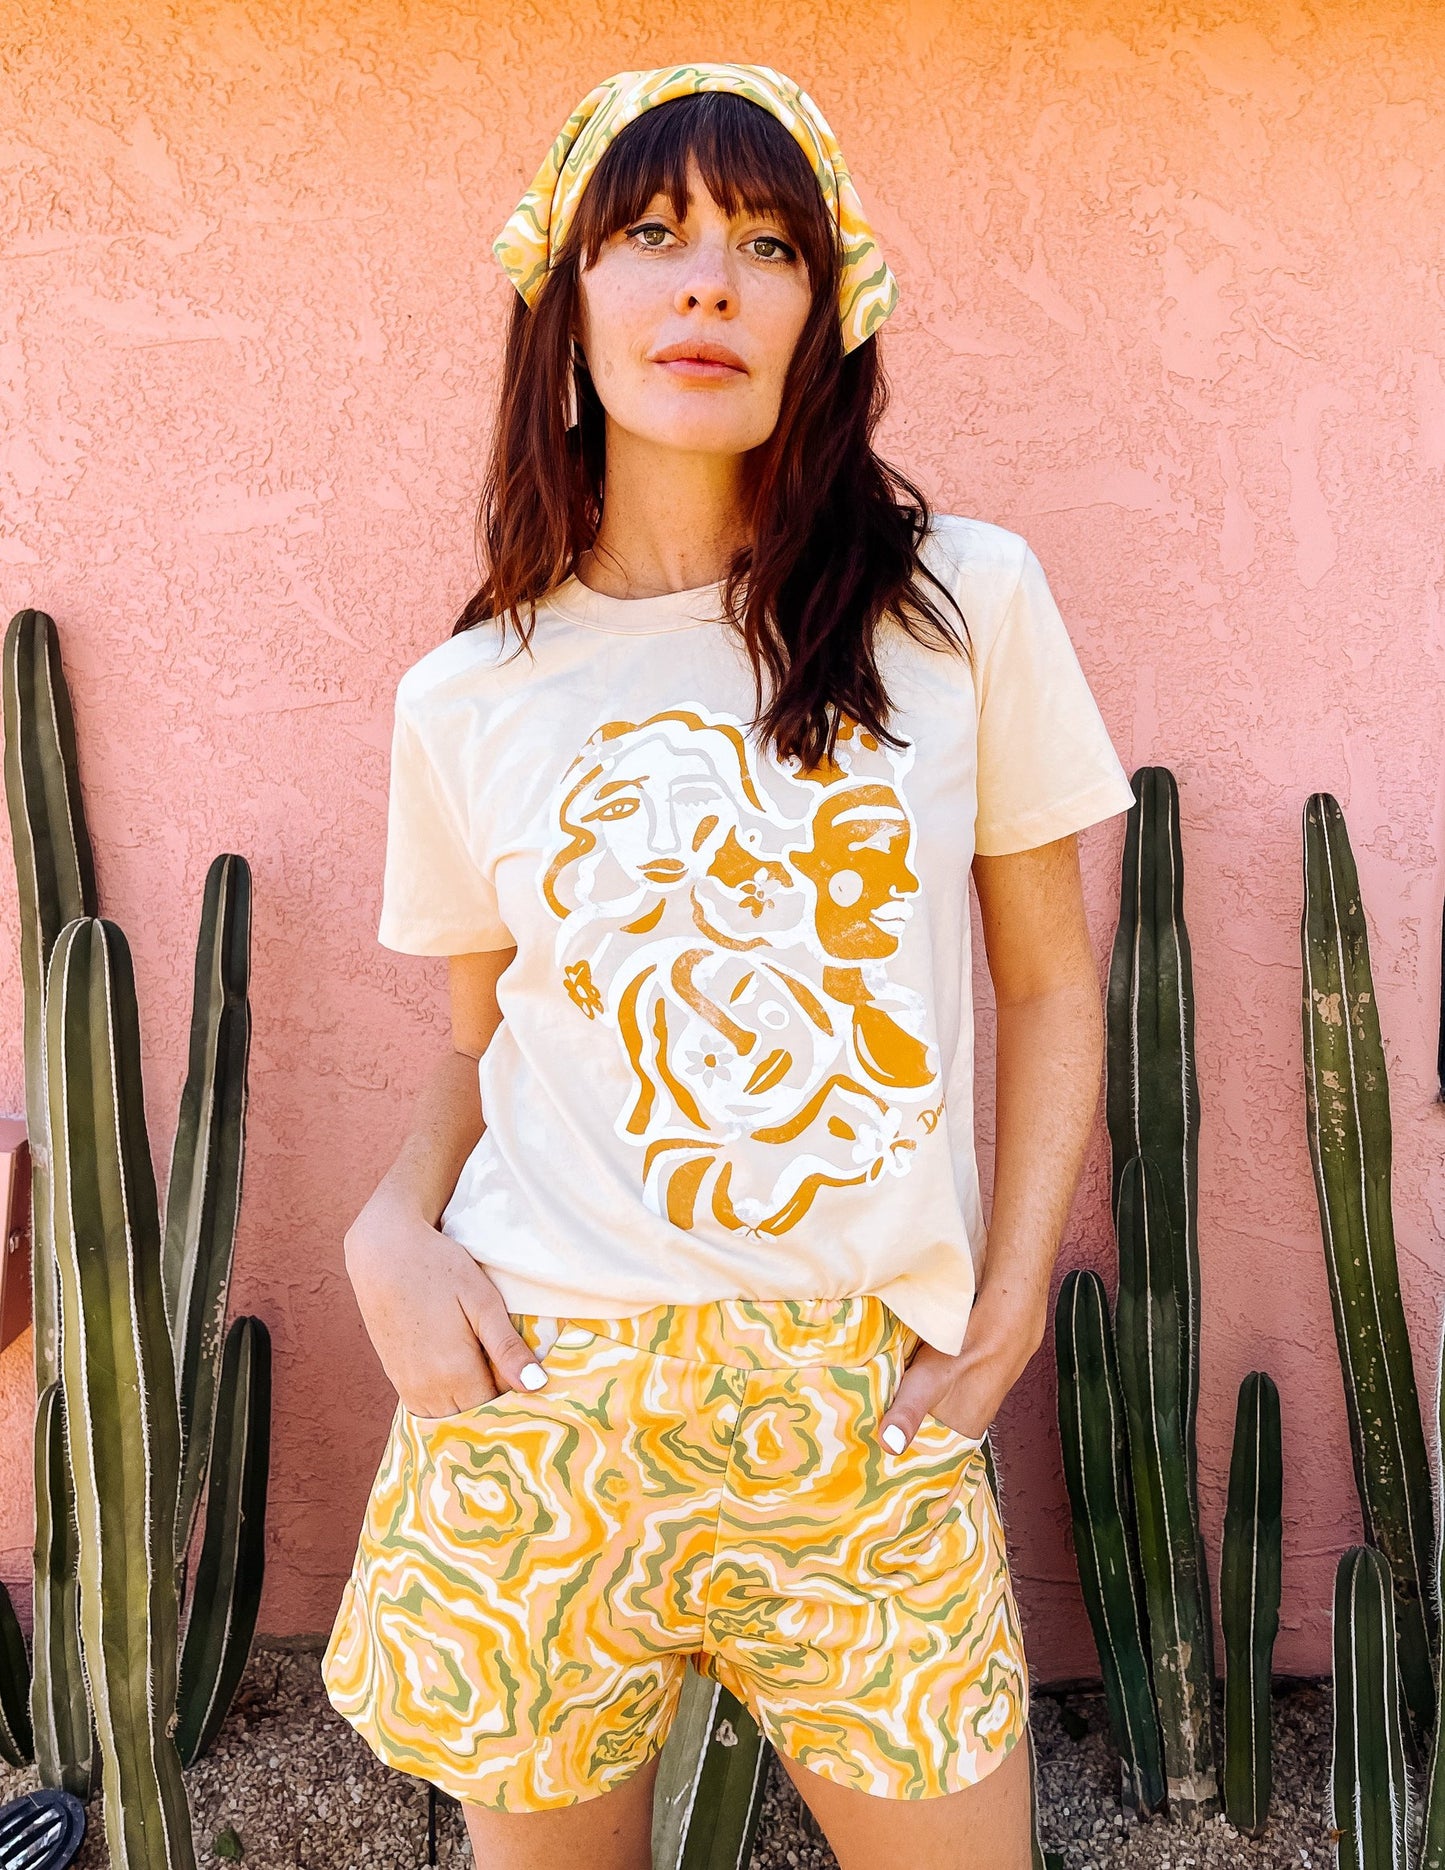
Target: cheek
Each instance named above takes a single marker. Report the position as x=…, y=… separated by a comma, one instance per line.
x=778, y=318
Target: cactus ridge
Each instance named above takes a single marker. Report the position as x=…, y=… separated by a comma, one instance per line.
x=1370, y=1788
x=1249, y=1592
x=1093, y=1435
x=1349, y=1132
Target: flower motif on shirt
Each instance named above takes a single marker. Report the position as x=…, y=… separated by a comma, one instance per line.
x=743, y=925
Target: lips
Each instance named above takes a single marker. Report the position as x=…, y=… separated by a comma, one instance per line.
x=700, y=354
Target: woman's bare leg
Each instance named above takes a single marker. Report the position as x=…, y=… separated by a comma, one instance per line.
x=610, y=1832
x=983, y=1827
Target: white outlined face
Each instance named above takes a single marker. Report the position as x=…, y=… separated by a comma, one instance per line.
x=661, y=811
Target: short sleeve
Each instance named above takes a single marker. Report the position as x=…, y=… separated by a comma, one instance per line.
x=435, y=899
x=1046, y=764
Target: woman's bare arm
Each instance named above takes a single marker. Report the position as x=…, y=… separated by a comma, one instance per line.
x=430, y=1310
x=1049, y=1067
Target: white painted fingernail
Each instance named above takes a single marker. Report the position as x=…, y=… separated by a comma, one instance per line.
x=533, y=1376
x=894, y=1437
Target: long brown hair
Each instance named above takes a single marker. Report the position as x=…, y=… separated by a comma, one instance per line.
x=834, y=530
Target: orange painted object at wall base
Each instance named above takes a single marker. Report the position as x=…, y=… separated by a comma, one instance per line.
x=1171, y=308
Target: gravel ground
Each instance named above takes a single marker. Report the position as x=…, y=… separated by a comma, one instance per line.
x=298, y=1789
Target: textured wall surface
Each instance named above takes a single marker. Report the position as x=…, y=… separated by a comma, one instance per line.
x=1172, y=308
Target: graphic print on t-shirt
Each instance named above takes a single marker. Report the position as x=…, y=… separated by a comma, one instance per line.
x=737, y=922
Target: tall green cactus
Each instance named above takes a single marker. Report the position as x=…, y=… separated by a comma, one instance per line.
x=55, y=881
x=1369, y=1786
x=122, y=1424
x=1249, y=1586
x=1347, y=1098
x=1093, y=1434
x=1152, y=1105
x=1149, y=1341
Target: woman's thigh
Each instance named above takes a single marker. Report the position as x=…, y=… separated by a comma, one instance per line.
x=984, y=1826
x=610, y=1832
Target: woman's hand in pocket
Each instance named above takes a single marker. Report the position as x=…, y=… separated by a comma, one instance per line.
x=432, y=1314
x=963, y=1391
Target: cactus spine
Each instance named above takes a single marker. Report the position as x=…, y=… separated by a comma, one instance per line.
x=1249, y=1586
x=1094, y=1436
x=1369, y=1786
x=1348, y=1114
x=55, y=881
x=122, y=1426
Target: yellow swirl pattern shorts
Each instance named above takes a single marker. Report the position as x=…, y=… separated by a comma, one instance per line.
x=696, y=1483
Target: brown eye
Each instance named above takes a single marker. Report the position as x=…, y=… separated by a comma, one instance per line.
x=648, y=227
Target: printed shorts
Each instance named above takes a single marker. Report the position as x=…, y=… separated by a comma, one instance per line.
x=694, y=1483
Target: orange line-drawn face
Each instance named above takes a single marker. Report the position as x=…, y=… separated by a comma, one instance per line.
x=858, y=866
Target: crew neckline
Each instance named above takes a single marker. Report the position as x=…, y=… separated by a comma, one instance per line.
x=638, y=616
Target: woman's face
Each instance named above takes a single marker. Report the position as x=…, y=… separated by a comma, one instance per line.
x=661, y=283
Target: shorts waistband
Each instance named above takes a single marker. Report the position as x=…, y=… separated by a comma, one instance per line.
x=753, y=1334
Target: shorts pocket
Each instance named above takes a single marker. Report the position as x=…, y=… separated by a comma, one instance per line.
x=965, y=1444
x=543, y=1337
x=427, y=1422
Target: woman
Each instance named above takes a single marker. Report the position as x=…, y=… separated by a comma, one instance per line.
x=679, y=1275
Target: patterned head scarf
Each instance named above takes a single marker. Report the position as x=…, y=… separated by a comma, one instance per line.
x=528, y=244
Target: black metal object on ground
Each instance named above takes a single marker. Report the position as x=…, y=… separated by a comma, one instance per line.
x=41, y=1830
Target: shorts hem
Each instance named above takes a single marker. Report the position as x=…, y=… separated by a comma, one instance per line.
x=818, y=1767
x=464, y=1790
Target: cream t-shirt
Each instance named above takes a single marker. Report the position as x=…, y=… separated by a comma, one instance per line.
x=736, y=1053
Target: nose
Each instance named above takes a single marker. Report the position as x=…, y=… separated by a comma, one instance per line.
x=708, y=282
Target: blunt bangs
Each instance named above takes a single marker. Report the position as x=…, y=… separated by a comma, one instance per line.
x=748, y=161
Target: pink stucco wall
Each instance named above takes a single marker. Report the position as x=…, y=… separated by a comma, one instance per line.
x=1172, y=307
